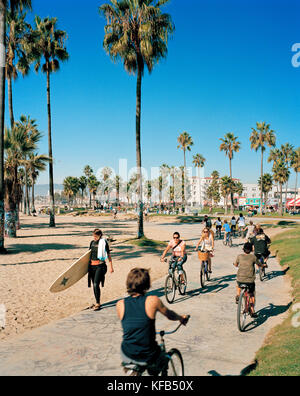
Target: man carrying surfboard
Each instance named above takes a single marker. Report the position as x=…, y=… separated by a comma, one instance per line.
x=100, y=252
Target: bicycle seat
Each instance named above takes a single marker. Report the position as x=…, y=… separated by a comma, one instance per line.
x=244, y=286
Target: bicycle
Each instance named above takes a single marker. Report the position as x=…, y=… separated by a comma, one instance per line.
x=244, y=307
x=218, y=234
x=174, y=282
x=204, y=271
x=262, y=268
x=228, y=240
x=171, y=365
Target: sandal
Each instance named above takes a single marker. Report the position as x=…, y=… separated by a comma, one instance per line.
x=97, y=307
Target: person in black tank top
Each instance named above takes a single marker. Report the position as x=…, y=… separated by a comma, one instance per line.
x=137, y=314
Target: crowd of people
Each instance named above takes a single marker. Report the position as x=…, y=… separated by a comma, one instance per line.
x=137, y=312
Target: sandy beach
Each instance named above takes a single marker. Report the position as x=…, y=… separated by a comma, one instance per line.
x=39, y=255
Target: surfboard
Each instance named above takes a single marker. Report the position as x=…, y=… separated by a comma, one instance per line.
x=73, y=275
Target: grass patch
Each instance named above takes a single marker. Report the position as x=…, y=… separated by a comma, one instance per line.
x=281, y=354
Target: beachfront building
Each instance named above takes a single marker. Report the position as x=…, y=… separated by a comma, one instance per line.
x=252, y=195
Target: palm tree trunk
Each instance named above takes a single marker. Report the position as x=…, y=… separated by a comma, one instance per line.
x=261, y=181
x=10, y=102
x=32, y=197
x=51, y=180
x=139, y=154
x=2, y=113
x=183, y=181
x=296, y=190
x=281, y=200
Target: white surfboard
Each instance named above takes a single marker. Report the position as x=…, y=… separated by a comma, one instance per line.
x=73, y=275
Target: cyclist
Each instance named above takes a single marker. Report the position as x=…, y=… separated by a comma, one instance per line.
x=261, y=243
x=218, y=225
x=233, y=225
x=207, y=243
x=179, y=255
x=227, y=229
x=250, y=231
x=241, y=223
x=246, y=275
x=207, y=222
x=137, y=314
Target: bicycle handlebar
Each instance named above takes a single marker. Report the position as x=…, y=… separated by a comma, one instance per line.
x=163, y=333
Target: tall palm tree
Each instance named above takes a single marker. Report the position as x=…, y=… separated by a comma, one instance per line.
x=93, y=185
x=296, y=167
x=14, y=5
x=230, y=145
x=199, y=163
x=32, y=136
x=287, y=152
x=185, y=143
x=17, y=35
x=281, y=175
x=35, y=164
x=71, y=188
x=137, y=33
x=267, y=184
x=261, y=138
x=83, y=181
x=88, y=171
x=227, y=188
x=48, y=50
x=117, y=183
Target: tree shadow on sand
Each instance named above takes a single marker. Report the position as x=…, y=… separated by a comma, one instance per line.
x=37, y=248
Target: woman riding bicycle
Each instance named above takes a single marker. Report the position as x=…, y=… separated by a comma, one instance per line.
x=207, y=243
x=179, y=255
x=261, y=244
x=137, y=314
x=219, y=225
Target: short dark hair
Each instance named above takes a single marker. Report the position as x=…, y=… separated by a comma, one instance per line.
x=176, y=233
x=260, y=231
x=98, y=232
x=138, y=281
x=248, y=248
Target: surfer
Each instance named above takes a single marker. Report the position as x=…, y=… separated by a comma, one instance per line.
x=100, y=252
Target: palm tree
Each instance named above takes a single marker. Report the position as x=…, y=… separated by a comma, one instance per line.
x=261, y=138
x=88, y=171
x=18, y=34
x=137, y=33
x=287, y=152
x=185, y=143
x=71, y=188
x=148, y=188
x=93, y=185
x=199, y=163
x=230, y=145
x=117, y=183
x=83, y=181
x=227, y=188
x=267, y=184
x=35, y=164
x=48, y=46
x=32, y=136
x=296, y=167
x=281, y=175
x=15, y=5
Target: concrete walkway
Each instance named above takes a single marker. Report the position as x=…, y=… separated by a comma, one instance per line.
x=88, y=343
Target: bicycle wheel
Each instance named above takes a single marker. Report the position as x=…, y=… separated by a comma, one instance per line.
x=175, y=366
x=202, y=274
x=170, y=289
x=230, y=242
x=182, y=286
x=207, y=274
x=242, y=312
x=225, y=242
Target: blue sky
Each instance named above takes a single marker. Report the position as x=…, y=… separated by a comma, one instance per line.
x=228, y=67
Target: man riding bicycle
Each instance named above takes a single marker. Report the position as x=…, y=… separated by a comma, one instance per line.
x=261, y=244
x=137, y=314
x=179, y=255
x=246, y=274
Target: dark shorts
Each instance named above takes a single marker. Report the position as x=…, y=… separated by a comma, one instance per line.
x=250, y=285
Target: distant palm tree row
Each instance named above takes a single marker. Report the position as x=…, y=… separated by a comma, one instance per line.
x=43, y=46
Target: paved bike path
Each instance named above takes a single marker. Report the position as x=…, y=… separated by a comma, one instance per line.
x=88, y=343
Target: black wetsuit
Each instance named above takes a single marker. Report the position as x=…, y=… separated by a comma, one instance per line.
x=97, y=272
